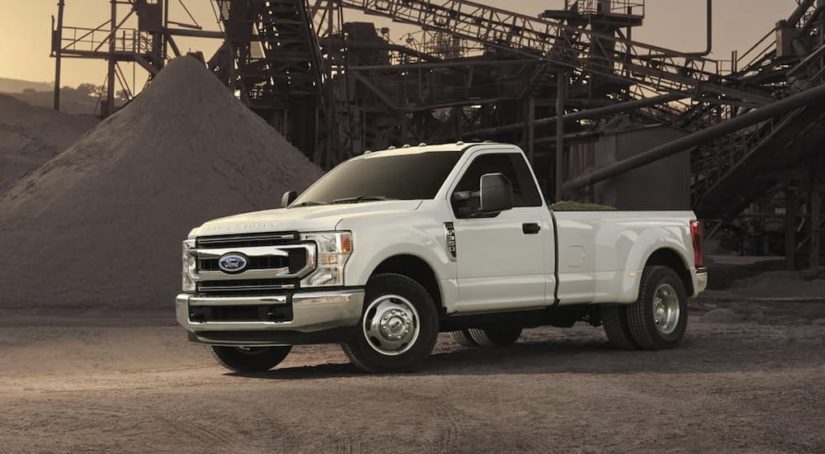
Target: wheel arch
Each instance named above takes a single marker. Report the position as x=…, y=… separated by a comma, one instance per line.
x=415, y=268
x=670, y=258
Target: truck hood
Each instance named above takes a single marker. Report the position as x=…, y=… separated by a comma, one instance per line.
x=304, y=219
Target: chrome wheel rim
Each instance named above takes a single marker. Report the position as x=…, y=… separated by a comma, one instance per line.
x=391, y=325
x=666, y=308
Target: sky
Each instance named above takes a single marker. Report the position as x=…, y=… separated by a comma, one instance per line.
x=675, y=24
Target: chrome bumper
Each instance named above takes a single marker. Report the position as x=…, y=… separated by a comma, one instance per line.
x=311, y=312
x=701, y=281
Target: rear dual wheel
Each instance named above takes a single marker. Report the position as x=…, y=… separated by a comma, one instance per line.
x=462, y=337
x=657, y=320
x=614, y=321
x=486, y=337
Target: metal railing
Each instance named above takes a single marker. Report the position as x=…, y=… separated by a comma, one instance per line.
x=613, y=7
x=85, y=40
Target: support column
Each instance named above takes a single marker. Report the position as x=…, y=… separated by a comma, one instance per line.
x=164, y=28
x=531, y=129
x=57, y=45
x=816, y=220
x=561, y=93
x=333, y=156
x=791, y=215
x=110, y=76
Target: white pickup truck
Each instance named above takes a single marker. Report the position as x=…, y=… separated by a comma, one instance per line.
x=390, y=248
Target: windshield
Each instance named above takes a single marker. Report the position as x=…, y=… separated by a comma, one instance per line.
x=399, y=177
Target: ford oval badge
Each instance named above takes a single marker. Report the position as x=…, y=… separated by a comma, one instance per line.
x=232, y=263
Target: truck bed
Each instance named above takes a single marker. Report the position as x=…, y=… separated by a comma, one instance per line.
x=595, y=248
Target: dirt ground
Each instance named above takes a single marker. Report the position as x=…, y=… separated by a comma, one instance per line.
x=749, y=378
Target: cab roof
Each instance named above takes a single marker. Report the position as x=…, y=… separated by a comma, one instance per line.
x=447, y=147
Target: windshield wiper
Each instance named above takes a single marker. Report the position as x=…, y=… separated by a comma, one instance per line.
x=363, y=198
x=308, y=203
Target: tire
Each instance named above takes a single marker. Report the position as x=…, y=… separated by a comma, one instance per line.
x=662, y=284
x=614, y=321
x=463, y=338
x=407, y=335
x=495, y=337
x=252, y=359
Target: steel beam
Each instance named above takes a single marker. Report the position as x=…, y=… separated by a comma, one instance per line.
x=800, y=100
x=195, y=33
x=446, y=64
x=799, y=12
x=581, y=115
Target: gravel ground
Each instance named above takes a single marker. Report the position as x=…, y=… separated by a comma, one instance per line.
x=749, y=378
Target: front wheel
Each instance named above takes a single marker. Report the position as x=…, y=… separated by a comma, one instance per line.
x=658, y=319
x=398, y=328
x=250, y=359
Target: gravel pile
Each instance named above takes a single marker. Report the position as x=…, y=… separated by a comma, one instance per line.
x=99, y=227
x=30, y=136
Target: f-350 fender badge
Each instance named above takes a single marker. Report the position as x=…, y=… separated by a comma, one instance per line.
x=450, y=234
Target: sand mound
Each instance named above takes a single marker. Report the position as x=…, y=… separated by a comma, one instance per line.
x=100, y=225
x=30, y=136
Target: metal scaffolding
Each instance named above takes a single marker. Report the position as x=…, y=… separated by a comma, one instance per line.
x=472, y=71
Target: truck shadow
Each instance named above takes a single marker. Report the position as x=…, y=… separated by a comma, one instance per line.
x=704, y=355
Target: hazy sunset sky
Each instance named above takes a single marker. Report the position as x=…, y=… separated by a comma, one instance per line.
x=678, y=24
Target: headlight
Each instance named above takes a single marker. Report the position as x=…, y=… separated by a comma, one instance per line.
x=334, y=249
x=189, y=264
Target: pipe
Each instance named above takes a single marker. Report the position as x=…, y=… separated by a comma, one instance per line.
x=589, y=113
x=709, y=47
x=388, y=46
x=441, y=64
x=806, y=98
x=814, y=56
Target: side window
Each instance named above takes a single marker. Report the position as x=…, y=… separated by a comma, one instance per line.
x=513, y=166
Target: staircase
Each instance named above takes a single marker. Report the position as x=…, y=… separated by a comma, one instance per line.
x=276, y=63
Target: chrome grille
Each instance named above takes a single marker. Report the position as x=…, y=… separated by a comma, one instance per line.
x=255, y=239
x=255, y=263
x=274, y=262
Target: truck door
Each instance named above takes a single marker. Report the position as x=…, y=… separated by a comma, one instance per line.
x=502, y=260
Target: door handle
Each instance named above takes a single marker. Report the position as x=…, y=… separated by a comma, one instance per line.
x=530, y=228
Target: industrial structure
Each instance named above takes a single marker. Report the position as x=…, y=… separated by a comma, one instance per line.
x=602, y=117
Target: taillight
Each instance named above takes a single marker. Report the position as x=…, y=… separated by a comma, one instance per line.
x=696, y=236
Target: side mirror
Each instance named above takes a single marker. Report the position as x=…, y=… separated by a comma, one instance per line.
x=496, y=193
x=288, y=198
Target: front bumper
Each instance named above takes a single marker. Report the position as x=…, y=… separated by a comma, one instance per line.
x=316, y=317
